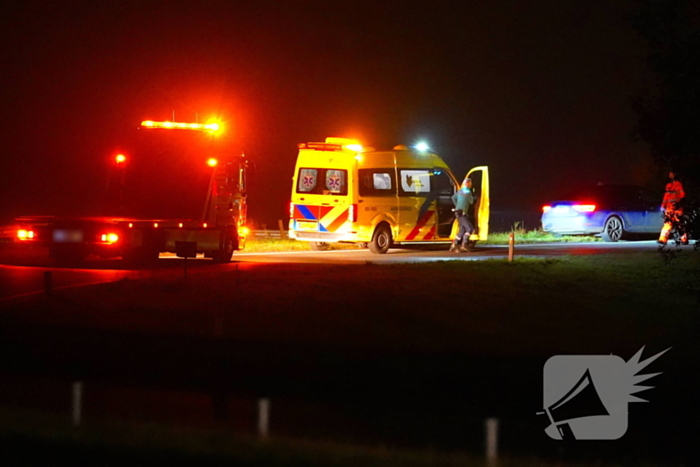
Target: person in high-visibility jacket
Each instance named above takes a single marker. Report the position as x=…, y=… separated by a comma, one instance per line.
x=672, y=210
x=462, y=200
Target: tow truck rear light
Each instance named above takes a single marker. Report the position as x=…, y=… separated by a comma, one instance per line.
x=352, y=213
x=25, y=234
x=109, y=238
x=245, y=231
x=584, y=207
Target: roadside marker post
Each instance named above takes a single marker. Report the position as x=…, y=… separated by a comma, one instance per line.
x=263, y=417
x=186, y=250
x=491, y=428
x=511, y=246
x=77, y=403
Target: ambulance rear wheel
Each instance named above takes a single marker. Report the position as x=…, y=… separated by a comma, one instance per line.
x=319, y=246
x=381, y=240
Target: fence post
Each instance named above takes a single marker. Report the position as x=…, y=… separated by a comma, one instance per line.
x=77, y=403
x=511, y=246
x=263, y=417
x=491, y=427
x=48, y=283
x=280, y=224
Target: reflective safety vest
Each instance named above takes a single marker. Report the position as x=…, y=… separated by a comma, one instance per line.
x=674, y=193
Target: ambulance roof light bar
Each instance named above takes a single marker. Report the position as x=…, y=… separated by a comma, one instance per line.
x=213, y=126
x=335, y=144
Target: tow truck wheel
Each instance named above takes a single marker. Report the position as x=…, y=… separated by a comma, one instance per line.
x=319, y=246
x=381, y=240
x=228, y=246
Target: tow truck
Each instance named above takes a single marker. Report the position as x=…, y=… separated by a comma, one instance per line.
x=217, y=233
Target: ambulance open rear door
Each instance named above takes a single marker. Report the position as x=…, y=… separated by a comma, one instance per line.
x=480, y=186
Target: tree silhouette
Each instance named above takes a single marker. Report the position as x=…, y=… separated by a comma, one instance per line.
x=669, y=116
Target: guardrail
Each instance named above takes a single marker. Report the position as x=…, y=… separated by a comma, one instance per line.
x=269, y=234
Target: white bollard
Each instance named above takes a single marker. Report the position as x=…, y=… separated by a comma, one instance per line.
x=77, y=402
x=491, y=427
x=263, y=417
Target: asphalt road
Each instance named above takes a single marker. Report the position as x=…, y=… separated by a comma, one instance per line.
x=20, y=277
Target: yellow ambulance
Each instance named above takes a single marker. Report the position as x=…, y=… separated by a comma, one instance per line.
x=346, y=193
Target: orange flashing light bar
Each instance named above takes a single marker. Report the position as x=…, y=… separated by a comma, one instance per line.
x=213, y=127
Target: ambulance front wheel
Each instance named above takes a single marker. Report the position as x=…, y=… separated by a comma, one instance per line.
x=319, y=246
x=381, y=240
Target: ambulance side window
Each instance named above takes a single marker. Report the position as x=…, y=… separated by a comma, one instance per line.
x=377, y=182
x=414, y=182
x=442, y=183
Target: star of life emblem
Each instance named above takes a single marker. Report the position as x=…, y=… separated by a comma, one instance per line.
x=309, y=181
x=333, y=183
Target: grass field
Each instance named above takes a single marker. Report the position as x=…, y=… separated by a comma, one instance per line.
x=521, y=299
x=366, y=324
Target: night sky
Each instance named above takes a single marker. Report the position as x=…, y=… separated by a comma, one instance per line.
x=538, y=90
